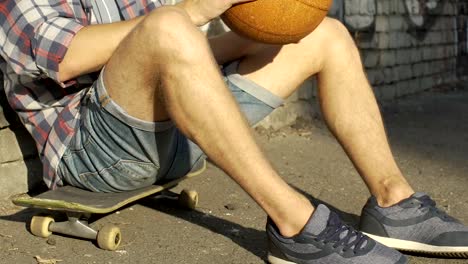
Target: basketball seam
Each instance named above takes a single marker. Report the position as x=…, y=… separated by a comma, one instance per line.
x=268, y=32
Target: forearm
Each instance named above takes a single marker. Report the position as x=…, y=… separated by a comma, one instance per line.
x=190, y=8
x=230, y=46
x=225, y=47
x=92, y=47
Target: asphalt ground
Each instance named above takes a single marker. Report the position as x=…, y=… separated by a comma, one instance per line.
x=429, y=137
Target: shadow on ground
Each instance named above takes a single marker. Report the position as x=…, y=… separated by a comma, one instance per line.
x=432, y=126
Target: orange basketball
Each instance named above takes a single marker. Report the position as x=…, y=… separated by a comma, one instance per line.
x=276, y=21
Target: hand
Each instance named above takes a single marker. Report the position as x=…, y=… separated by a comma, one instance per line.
x=202, y=11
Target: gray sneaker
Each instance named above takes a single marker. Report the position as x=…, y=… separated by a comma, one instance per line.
x=326, y=240
x=416, y=225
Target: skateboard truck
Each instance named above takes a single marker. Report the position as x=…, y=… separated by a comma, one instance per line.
x=108, y=237
x=80, y=204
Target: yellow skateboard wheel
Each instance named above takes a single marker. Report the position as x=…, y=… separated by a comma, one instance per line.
x=188, y=199
x=109, y=237
x=40, y=226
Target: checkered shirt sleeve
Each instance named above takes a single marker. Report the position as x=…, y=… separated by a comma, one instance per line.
x=37, y=34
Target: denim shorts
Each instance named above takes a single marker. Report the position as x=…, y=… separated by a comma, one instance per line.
x=114, y=152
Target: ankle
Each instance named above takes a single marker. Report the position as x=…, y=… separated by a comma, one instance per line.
x=293, y=224
x=393, y=193
x=291, y=229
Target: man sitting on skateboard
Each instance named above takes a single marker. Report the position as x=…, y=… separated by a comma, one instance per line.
x=122, y=95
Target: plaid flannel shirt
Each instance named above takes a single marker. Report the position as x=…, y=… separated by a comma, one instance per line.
x=34, y=38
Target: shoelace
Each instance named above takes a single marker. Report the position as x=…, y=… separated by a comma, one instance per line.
x=430, y=205
x=426, y=202
x=334, y=231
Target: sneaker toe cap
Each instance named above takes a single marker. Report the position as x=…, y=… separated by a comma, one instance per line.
x=453, y=239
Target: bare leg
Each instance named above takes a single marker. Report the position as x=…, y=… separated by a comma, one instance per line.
x=347, y=102
x=159, y=73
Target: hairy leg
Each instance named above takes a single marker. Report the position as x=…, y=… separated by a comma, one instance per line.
x=346, y=98
x=159, y=73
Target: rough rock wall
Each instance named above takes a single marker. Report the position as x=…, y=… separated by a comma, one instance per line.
x=407, y=46
x=19, y=164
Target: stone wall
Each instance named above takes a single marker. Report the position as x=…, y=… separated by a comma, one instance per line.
x=462, y=30
x=407, y=46
x=20, y=168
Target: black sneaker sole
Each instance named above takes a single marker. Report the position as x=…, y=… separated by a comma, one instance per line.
x=410, y=246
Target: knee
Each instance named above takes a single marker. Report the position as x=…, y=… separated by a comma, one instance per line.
x=335, y=36
x=169, y=31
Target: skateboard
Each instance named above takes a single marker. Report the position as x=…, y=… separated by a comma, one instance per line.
x=79, y=205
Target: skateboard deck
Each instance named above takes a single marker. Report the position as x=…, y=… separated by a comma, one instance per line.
x=80, y=204
x=72, y=199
